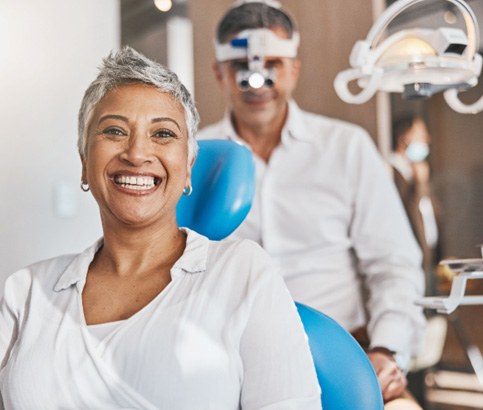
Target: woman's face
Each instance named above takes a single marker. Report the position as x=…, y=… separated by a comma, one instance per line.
x=136, y=160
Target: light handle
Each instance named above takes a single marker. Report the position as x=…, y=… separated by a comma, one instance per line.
x=341, y=85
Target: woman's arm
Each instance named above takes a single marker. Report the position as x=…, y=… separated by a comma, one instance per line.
x=8, y=324
x=278, y=368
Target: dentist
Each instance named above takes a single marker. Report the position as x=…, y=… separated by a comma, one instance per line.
x=325, y=208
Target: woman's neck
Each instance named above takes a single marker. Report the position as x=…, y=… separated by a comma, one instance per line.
x=134, y=252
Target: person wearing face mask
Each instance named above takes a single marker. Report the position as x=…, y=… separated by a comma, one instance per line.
x=411, y=147
x=411, y=142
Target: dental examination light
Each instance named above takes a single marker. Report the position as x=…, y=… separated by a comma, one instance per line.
x=254, y=45
x=416, y=62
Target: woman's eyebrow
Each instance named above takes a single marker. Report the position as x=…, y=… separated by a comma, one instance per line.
x=113, y=117
x=125, y=119
x=161, y=119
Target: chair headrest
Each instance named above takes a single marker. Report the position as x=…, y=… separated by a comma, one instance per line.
x=223, y=181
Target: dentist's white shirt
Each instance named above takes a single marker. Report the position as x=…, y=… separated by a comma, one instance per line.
x=327, y=211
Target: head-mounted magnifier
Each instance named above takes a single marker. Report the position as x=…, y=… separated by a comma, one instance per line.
x=254, y=46
x=415, y=62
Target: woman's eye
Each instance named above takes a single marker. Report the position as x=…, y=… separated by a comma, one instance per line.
x=163, y=134
x=114, y=131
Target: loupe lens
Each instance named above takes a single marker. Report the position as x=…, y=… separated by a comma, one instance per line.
x=243, y=84
x=256, y=80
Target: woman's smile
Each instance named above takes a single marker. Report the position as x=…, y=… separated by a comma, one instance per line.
x=136, y=184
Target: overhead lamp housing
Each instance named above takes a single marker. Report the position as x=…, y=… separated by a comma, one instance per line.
x=416, y=62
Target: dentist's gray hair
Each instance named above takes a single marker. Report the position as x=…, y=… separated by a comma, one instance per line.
x=253, y=15
x=127, y=66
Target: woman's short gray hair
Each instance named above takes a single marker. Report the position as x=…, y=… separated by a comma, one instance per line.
x=127, y=66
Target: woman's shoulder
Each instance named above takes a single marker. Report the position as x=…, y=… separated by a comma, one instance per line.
x=238, y=261
x=241, y=262
x=51, y=269
x=234, y=247
x=38, y=278
x=241, y=249
x=40, y=271
x=47, y=272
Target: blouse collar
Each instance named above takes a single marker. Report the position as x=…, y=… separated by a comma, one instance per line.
x=193, y=260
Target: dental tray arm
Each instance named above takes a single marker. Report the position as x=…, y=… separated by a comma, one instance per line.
x=466, y=269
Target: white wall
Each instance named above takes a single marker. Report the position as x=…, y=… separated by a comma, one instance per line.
x=179, y=40
x=49, y=52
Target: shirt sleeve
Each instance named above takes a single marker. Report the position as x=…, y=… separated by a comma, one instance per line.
x=279, y=372
x=8, y=322
x=387, y=254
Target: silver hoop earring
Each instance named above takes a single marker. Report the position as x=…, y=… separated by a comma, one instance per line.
x=188, y=190
x=84, y=187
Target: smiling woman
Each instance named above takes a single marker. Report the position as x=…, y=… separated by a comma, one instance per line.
x=152, y=315
x=136, y=159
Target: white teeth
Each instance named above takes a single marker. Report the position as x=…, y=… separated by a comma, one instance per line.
x=135, y=183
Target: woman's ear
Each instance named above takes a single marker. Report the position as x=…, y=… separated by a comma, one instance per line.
x=84, y=170
x=189, y=168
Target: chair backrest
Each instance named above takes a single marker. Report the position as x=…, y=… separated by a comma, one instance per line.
x=346, y=376
x=223, y=181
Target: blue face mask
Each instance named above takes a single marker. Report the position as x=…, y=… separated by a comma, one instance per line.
x=417, y=151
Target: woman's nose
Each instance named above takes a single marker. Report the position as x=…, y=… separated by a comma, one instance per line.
x=137, y=150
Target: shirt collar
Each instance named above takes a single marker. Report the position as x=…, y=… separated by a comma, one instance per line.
x=195, y=255
x=193, y=260
x=294, y=128
x=229, y=128
x=76, y=271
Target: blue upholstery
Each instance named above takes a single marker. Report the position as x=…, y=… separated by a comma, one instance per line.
x=223, y=180
x=346, y=376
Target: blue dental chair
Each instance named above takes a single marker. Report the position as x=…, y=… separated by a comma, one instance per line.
x=223, y=180
x=346, y=376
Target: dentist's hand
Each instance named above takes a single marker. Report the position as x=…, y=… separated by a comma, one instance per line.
x=391, y=378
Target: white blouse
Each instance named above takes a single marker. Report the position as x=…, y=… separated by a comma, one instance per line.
x=224, y=334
